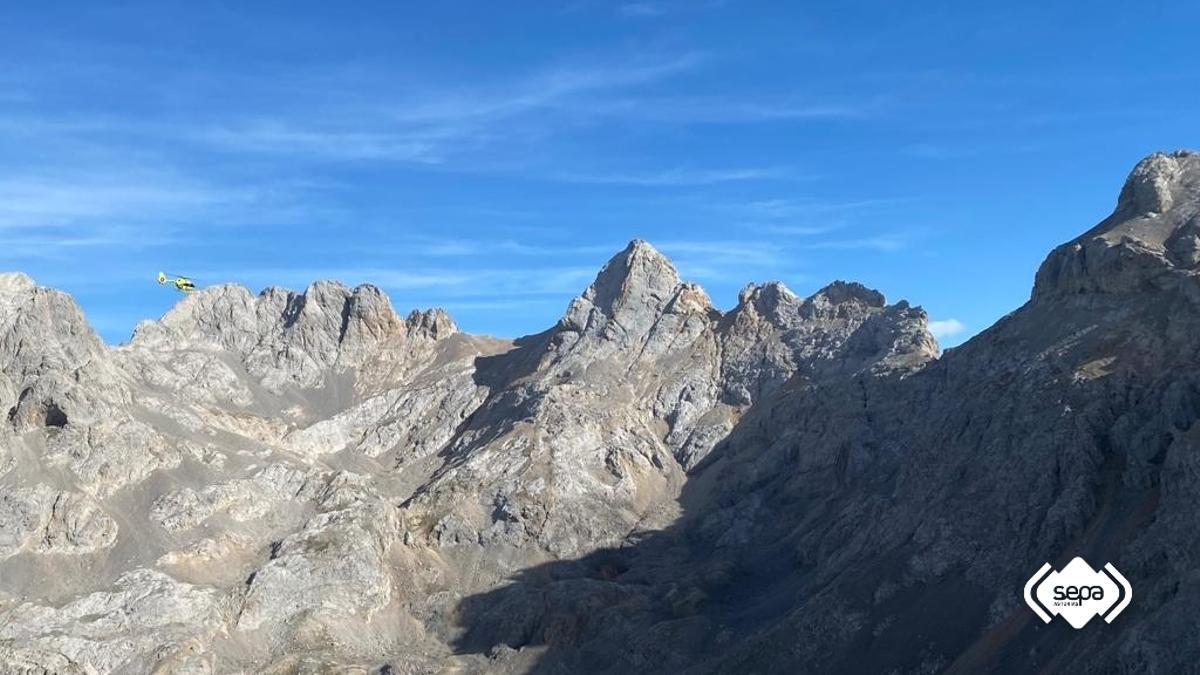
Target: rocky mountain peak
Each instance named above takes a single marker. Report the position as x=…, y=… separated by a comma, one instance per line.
x=15, y=282
x=223, y=314
x=637, y=275
x=633, y=289
x=1151, y=238
x=46, y=348
x=1156, y=182
x=42, y=328
x=279, y=333
x=642, y=251
x=766, y=297
x=277, y=482
x=842, y=298
x=772, y=301
x=434, y=324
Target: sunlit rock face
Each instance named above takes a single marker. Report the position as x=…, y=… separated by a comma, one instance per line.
x=312, y=482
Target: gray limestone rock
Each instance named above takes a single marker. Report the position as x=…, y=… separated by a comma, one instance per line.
x=307, y=482
x=42, y=520
x=133, y=627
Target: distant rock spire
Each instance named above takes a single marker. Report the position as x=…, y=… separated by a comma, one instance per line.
x=630, y=294
x=634, y=285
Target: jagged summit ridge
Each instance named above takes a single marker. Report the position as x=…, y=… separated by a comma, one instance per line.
x=282, y=335
x=640, y=285
x=640, y=349
x=261, y=443
x=888, y=520
x=306, y=482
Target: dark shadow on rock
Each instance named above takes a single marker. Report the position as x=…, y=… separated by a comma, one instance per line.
x=500, y=371
x=507, y=403
x=873, y=524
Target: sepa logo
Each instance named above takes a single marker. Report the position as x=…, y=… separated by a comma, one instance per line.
x=1078, y=592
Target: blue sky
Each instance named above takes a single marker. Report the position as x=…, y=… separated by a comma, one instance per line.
x=489, y=157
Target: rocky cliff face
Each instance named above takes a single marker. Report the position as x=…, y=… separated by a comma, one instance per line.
x=307, y=482
x=886, y=521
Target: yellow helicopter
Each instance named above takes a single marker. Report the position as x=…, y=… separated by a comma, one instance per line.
x=182, y=284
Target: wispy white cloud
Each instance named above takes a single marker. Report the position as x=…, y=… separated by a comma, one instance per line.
x=738, y=254
x=274, y=136
x=882, y=243
x=642, y=9
x=544, y=88
x=679, y=177
x=744, y=254
x=136, y=182
x=946, y=327
x=706, y=110
x=801, y=222
x=60, y=244
x=736, y=261
x=103, y=203
x=792, y=230
x=794, y=216
x=793, y=207
x=457, y=247
x=38, y=200
x=447, y=248
x=431, y=123
x=120, y=210
x=535, y=249
x=962, y=150
x=434, y=124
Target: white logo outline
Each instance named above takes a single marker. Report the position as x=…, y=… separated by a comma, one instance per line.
x=1076, y=609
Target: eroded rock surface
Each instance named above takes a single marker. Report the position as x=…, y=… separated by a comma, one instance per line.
x=309, y=482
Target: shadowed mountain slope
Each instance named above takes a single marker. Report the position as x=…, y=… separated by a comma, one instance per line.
x=887, y=522
x=307, y=482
